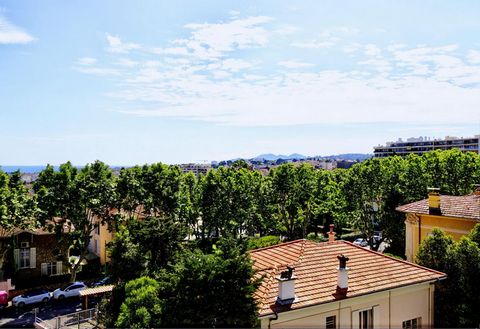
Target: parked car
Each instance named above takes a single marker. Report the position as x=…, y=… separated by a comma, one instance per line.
x=3, y=299
x=361, y=242
x=70, y=290
x=31, y=297
x=106, y=280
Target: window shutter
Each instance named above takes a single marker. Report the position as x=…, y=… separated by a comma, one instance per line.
x=44, y=269
x=33, y=257
x=355, y=319
x=16, y=258
x=59, y=267
x=376, y=317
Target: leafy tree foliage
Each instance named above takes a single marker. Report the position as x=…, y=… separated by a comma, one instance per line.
x=211, y=290
x=144, y=246
x=457, y=299
x=18, y=210
x=81, y=200
x=142, y=306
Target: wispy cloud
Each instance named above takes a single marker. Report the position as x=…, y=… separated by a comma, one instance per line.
x=327, y=38
x=11, y=34
x=214, y=40
x=86, y=61
x=292, y=64
x=100, y=71
x=210, y=76
x=117, y=46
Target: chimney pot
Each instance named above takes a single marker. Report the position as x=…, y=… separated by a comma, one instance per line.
x=286, y=287
x=331, y=234
x=342, y=280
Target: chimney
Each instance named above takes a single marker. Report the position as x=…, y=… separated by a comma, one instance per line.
x=434, y=201
x=286, y=287
x=342, y=280
x=477, y=189
x=331, y=234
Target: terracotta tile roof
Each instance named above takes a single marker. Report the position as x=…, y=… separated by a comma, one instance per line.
x=316, y=271
x=467, y=206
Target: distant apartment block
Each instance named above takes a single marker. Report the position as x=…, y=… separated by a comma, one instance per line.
x=423, y=144
x=196, y=168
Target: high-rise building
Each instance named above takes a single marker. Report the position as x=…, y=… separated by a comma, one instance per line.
x=424, y=144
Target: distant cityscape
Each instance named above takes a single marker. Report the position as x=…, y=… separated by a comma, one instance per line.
x=265, y=162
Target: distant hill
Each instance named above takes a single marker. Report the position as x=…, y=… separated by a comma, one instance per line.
x=275, y=157
x=349, y=156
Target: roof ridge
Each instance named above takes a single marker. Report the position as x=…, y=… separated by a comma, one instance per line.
x=393, y=258
x=277, y=245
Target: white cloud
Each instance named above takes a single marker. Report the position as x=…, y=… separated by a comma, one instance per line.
x=117, y=46
x=327, y=38
x=213, y=40
x=372, y=50
x=474, y=57
x=378, y=64
x=127, y=62
x=294, y=64
x=313, y=44
x=10, y=34
x=352, y=48
x=100, y=71
x=328, y=98
x=209, y=76
x=86, y=61
x=286, y=30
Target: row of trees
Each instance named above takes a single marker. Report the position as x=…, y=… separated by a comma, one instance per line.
x=292, y=201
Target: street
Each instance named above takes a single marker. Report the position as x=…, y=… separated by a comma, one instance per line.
x=24, y=317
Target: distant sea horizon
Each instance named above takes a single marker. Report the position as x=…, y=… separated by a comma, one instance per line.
x=37, y=169
x=25, y=169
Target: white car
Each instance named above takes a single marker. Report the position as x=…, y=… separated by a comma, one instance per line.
x=70, y=290
x=361, y=242
x=31, y=297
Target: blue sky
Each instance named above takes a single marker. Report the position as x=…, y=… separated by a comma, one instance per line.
x=133, y=82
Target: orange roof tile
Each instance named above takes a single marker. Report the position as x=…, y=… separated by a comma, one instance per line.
x=467, y=206
x=316, y=272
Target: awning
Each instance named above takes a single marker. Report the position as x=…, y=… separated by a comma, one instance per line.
x=96, y=290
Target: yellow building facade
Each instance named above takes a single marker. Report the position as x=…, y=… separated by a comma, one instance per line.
x=455, y=215
x=101, y=236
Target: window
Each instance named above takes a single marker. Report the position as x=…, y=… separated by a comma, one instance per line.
x=365, y=319
x=412, y=324
x=24, y=258
x=331, y=322
x=53, y=268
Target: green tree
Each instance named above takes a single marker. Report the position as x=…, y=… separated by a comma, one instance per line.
x=142, y=307
x=18, y=210
x=293, y=195
x=82, y=200
x=211, y=290
x=144, y=246
x=435, y=250
x=457, y=298
x=131, y=191
x=161, y=184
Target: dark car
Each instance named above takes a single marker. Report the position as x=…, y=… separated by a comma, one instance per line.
x=103, y=282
